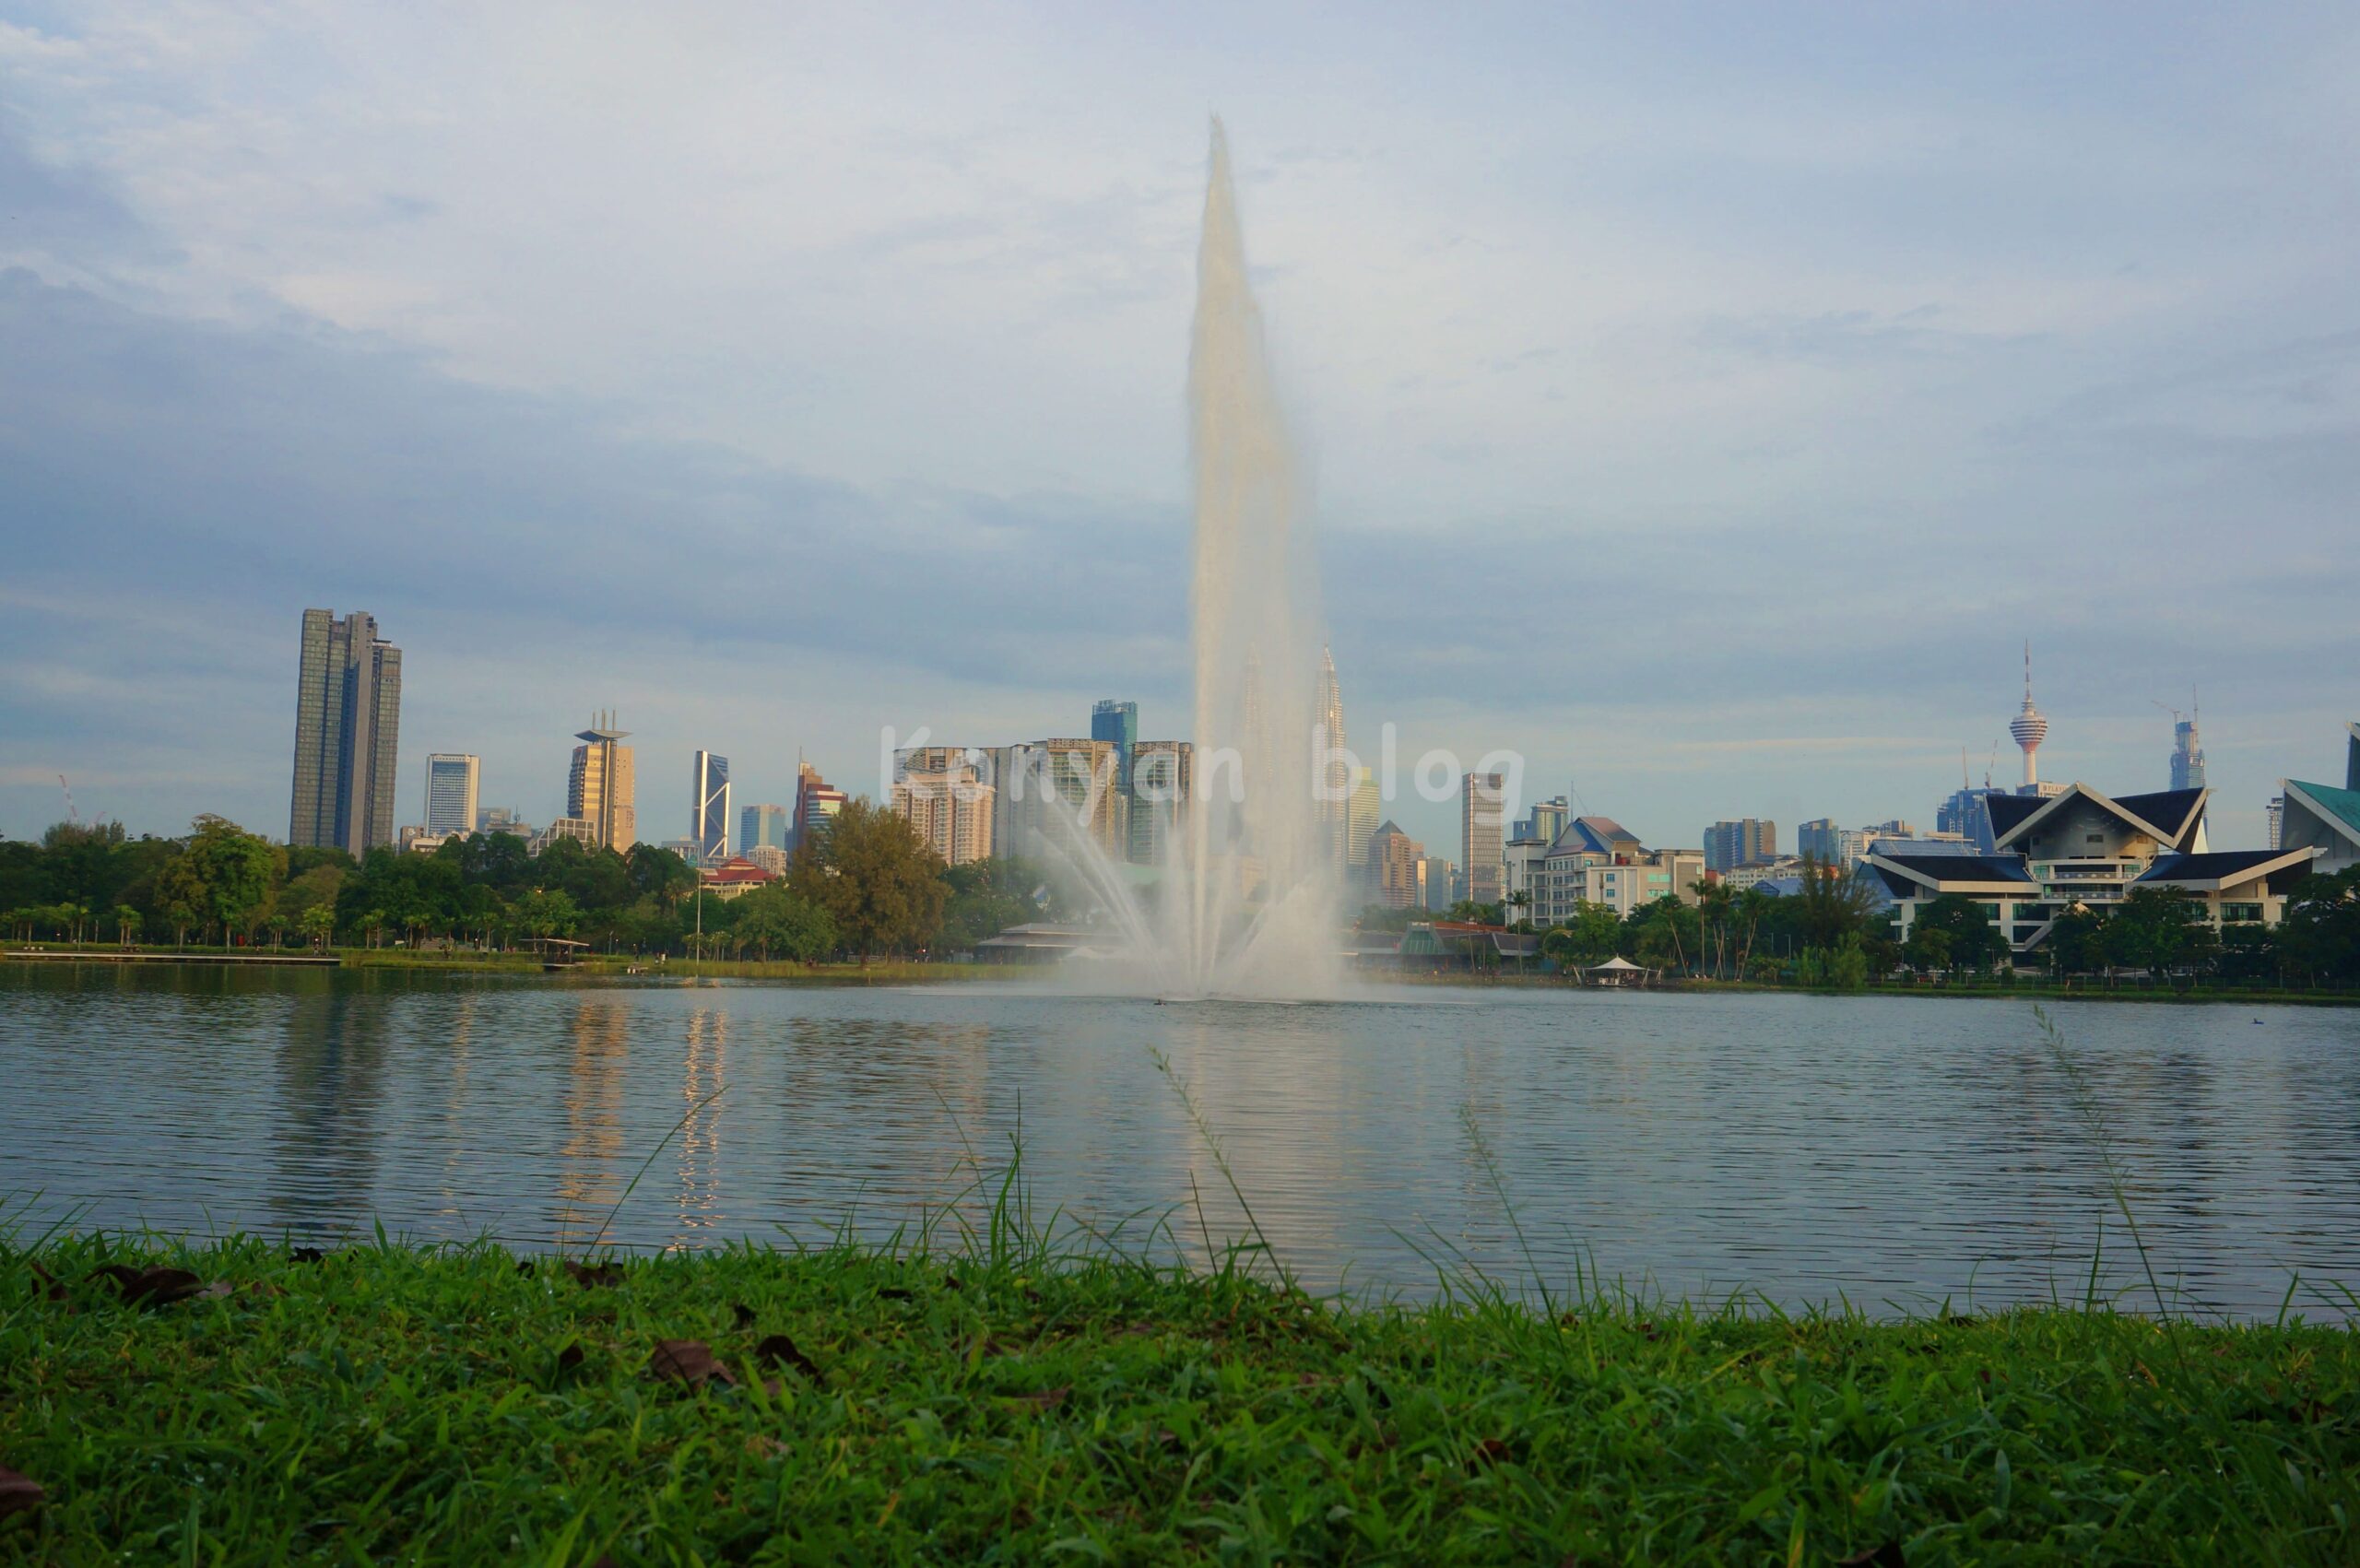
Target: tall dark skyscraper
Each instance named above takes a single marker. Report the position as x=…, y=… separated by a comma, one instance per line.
x=348, y=721
x=1117, y=722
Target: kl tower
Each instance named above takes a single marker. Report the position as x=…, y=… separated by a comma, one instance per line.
x=2030, y=728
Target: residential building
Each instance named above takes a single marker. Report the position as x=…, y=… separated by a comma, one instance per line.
x=451, y=781
x=1753, y=873
x=348, y=727
x=815, y=804
x=1047, y=791
x=760, y=825
x=422, y=840
x=770, y=858
x=1728, y=844
x=1119, y=723
x=1483, y=813
x=1393, y=861
x=2082, y=848
x=709, y=807
x=1163, y=783
x=602, y=787
x=938, y=791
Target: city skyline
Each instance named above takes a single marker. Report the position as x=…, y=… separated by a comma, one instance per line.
x=1898, y=352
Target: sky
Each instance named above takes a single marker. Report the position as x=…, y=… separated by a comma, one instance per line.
x=1705, y=402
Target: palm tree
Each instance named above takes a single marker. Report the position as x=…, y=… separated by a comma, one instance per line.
x=126, y=924
x=319, y=923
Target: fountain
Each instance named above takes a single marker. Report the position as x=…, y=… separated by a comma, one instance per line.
x=1248, y=902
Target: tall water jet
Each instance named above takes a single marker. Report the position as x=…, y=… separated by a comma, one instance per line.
x=1254, y=896
x=1248, y=899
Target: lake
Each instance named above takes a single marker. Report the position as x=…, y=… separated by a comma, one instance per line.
x=1891, y=1150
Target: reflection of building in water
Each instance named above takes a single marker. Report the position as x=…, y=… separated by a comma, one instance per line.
x=454, y=1099
x=331, y=1090
x=705, y=1068
x=587, y=1185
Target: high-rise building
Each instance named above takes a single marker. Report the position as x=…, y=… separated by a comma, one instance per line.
x=2188, y=756
x=815, y=804
x=2352, y=757
x=1117, y=722
x=1393, y=860
x=1482, y=812
x=940, y=793
x=1335, y=776
x=1731, y=845
x=1162, y=782
x=451, y=785
x=760, y=825
x=1437, y=884
x=348, y=723
x=602, y=789
x=1360, y=821
x=2276, y=825
x=709, y=807
x=1047, y=791
x=1548, y=819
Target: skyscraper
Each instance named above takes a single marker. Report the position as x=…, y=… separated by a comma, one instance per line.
x=939, y=792
x=602, y=789
x=1731, y=845
x=1162, y=779
x=709, y=807
x=2187, y=757
x=762, y=825
x=1482, y=809
x=348, y=722
x=1393, y=859
x=1335, y=776
x=815, y=804
x=1117, y=722
x=451, y=787
x=1360, y=819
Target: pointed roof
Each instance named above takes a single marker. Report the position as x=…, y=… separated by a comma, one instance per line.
x=1595, y=835
x=2337, y=809
x=2171, y=817
x=2225, y=868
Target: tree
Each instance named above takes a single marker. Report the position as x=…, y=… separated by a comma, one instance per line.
x=1969, y=939
x=772, y=918
x=661, y=875
x=318, y=922
x=236, y=869
x=878, y=881
x=1829, y=905
x=984, y=898
x=2159, y=928
x=1662, y=935
x=545, y=913
x=127, y=922
x=1588, y=938
x=2320, y=935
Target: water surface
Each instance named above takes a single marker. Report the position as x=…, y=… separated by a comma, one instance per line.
x=1895, y=1151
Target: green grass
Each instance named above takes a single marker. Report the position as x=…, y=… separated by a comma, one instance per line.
x=1011, y=1404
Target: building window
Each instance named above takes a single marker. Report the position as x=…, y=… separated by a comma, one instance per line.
x=2235, y=914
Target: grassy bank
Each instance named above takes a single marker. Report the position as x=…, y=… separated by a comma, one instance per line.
x=395, y=1405
x=2024, y=991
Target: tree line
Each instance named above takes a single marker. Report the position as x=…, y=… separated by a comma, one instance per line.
x=871, y=887
x=1834, y=930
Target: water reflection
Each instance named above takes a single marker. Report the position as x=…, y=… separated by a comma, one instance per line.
x=1886, y=1149
x=588, y=1184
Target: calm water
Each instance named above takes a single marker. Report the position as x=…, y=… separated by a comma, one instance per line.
x=1892, y=1151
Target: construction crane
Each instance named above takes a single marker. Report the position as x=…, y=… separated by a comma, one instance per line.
x=71, y=815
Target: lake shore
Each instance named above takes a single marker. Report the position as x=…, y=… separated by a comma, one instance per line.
x=462, y=1404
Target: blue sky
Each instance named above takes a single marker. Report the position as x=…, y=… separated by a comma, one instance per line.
x=1705, y=401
